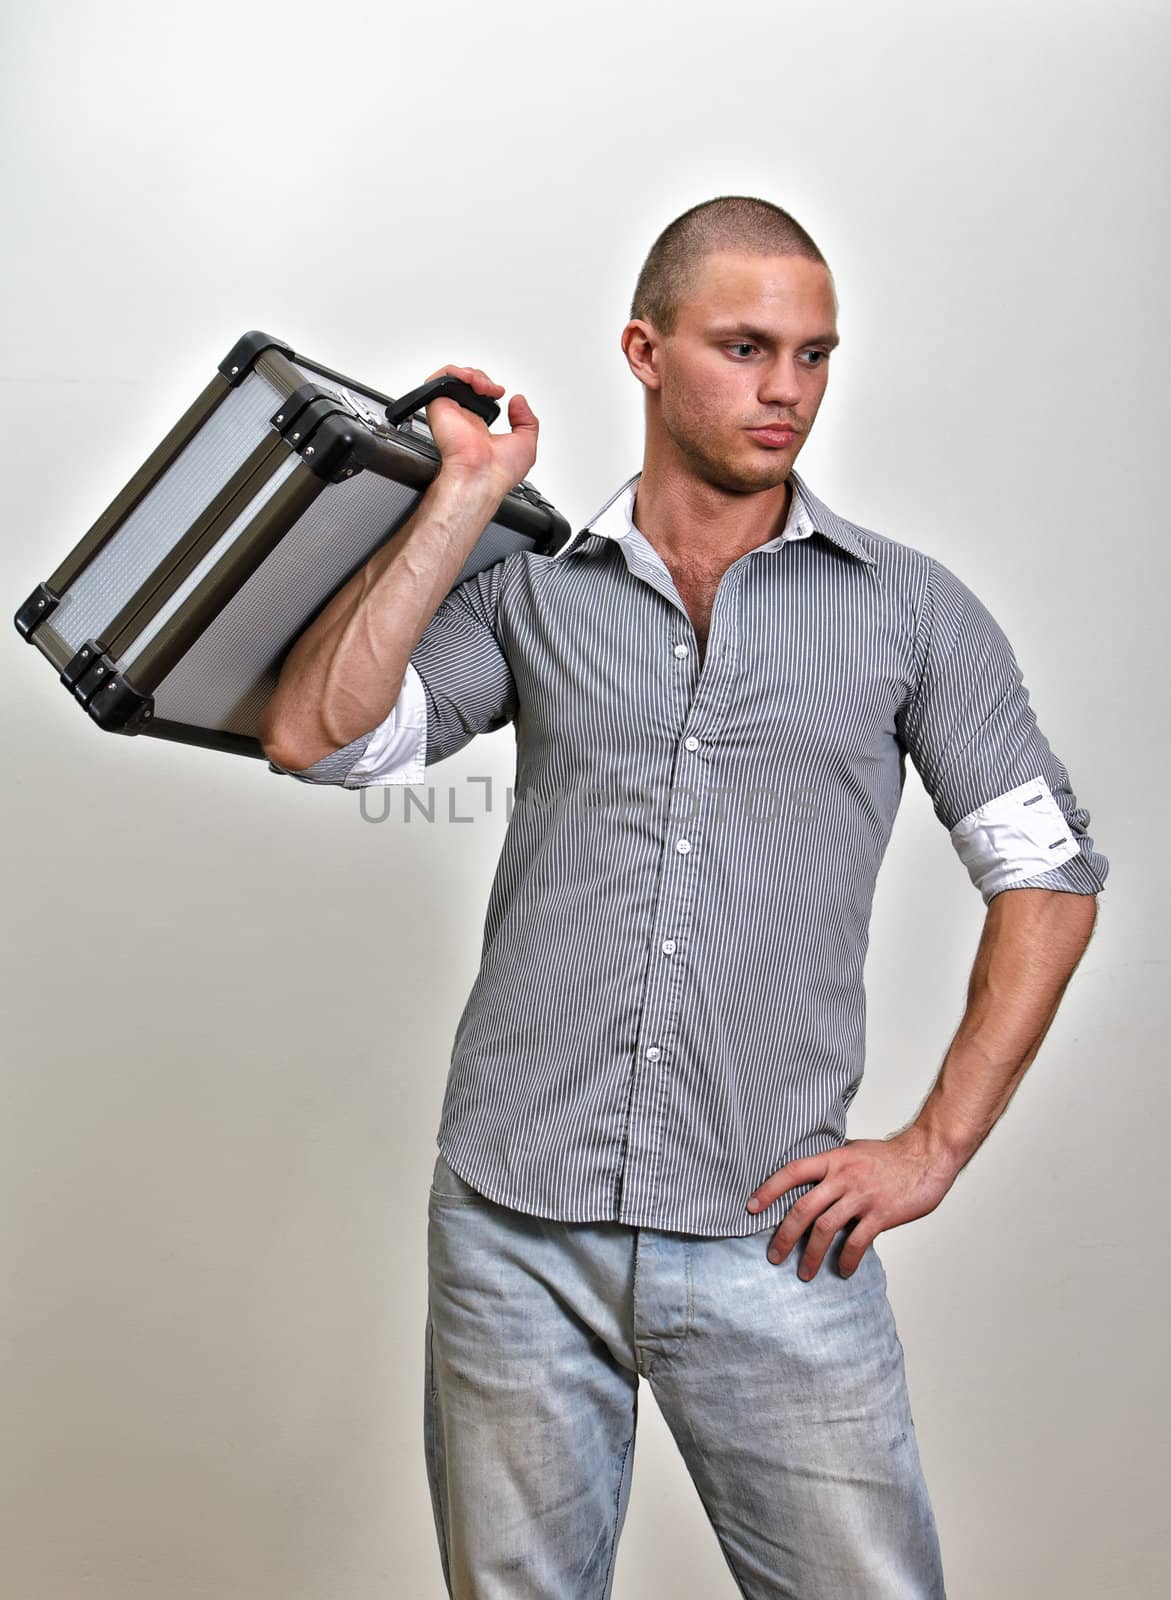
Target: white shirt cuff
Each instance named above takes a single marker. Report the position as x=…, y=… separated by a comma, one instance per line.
x=1019, y=834
x=396, y=750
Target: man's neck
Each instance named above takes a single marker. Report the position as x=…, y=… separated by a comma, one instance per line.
x=687, y=520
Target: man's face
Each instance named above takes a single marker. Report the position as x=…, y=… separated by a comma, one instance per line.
x=750, y=348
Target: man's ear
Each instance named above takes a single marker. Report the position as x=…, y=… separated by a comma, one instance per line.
x=640, y=345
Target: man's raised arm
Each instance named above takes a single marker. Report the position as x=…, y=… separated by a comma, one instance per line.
x=344, y=674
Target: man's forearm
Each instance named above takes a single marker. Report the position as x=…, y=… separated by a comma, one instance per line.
x=1032, y=942
x=344, y=673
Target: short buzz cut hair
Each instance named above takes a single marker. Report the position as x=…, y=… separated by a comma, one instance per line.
x=736, y=223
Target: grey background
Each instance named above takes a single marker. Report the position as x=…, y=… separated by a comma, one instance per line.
x=230, y=998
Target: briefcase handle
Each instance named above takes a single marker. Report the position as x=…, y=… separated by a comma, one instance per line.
x=446, y=388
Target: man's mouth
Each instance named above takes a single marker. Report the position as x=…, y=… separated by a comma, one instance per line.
x=778, y=435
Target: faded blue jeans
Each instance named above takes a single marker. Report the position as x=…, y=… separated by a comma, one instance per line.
x=787, y=1399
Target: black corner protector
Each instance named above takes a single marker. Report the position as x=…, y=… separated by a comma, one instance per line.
x=90, y=654
x=330, y=451
x=311, y=416
x=113, y=703
x=242, y=357
x=286, y=417
x=117, y=707
x=39, y=605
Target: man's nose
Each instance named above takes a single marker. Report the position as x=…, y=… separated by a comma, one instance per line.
x=778, y=385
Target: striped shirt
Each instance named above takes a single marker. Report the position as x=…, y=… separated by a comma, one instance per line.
x=670, y=1004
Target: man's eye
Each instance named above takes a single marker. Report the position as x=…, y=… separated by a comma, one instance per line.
x=818, y=357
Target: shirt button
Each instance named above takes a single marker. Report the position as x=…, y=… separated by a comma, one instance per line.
x=691, y=742
x=668, y=947
x=681, y=650
x=683, y=846
x=652, y=1052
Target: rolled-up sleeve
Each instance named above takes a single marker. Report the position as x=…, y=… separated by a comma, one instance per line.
x=458, y=683
x=972, y=735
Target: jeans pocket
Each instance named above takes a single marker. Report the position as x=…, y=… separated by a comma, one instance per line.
x=449, y=1188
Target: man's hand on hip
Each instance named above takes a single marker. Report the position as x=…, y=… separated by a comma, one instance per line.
x=874, y=1183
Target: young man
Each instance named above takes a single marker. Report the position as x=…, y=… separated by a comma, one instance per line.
x=650, y=1078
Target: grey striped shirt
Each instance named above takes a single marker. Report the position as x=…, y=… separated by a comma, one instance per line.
x=670, y=999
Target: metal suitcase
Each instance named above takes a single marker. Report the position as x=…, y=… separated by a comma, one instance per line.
x=172, y=616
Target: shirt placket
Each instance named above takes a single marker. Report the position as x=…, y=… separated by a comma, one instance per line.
x=697, y=694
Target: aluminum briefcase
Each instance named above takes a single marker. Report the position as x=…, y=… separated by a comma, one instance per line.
x=174, y=613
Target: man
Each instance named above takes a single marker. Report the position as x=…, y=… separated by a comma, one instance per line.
x=650, y=1078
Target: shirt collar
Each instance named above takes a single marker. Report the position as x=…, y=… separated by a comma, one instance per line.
x=807, y=515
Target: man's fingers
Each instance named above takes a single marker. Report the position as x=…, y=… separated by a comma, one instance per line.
x=479, y=380
x=521, y=414
x=853, y=1250
x=805, y=1169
